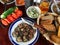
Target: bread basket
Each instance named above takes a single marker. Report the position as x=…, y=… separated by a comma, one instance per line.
x=45, y=34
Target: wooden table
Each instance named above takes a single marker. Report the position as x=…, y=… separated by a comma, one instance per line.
x=4, y=39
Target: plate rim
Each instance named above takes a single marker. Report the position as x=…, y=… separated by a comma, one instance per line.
x=7, y=3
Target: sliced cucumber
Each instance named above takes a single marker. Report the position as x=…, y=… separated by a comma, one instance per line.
x=6, y=13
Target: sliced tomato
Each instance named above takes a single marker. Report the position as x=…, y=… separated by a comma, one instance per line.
x=16, y=10
x=10, y=18
x=19, y=13
x=7, y=20
x=4, y=22
x=14, y=15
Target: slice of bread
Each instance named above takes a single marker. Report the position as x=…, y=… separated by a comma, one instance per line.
x=48, y=17
x=55, y=38
x=49, y=27
x=58, y=19
x=46, y=22
x=59, y=32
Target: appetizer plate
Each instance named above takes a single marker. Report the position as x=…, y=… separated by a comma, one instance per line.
x=14, y=25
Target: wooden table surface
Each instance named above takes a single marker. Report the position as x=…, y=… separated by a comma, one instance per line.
x=4, y=39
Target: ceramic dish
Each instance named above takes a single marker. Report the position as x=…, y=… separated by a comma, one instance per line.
x=19, y=2
x=53, y=5
x=13, y=40
x=33, y=11
x=7, y=3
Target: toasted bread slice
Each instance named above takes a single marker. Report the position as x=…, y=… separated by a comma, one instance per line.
x=42, y=31
x=46, y=22
x=53, y=14
x=59, y=32
x=49, y=27
x=50, y=17
x=55, y=38
x=58, y=19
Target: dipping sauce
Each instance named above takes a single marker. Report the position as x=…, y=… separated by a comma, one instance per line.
x=55, y=8
x=20, y=2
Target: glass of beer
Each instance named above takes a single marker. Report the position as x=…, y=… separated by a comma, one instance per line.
x=44, y=6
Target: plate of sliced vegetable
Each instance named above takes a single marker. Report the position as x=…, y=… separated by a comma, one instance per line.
x=22, y=32
x=10, y=15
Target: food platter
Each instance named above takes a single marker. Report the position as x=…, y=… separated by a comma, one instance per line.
x=13, y=25
x=23, y=31
x=46, y=26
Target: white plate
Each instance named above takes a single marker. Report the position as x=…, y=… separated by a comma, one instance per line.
x=53, y=5
x=13, y=40
x=7, y=3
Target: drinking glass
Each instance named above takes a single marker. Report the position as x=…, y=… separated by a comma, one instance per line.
x=44, y=6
